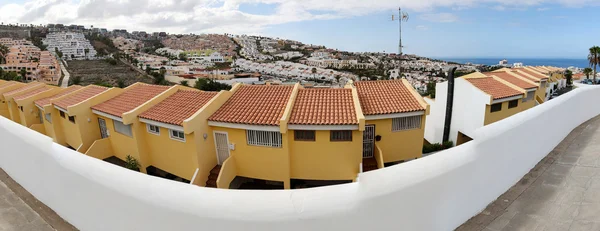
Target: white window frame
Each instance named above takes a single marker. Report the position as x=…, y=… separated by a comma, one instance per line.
x=177, y=137
x=149, y=128
x=264, y=138
x=406, y=123
x=128, y=127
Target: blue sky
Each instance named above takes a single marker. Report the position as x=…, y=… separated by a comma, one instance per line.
x=437, y=28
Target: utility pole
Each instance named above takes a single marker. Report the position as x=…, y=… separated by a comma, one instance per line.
x=402, y=16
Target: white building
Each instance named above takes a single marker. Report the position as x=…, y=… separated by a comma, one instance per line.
x=72, y=45
x=165, y=51
x=214, y=57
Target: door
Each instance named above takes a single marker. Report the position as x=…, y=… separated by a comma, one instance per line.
x=103, y=131
x=369, y=141
x=222, y=146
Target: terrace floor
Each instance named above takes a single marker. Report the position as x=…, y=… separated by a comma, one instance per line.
x=561, y=193
x=19, y=210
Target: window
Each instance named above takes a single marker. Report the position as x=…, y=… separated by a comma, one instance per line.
x=304, y=135
x=72, y=119
x=496, y=107
x=529, y=97
x=406, y=123
x=21, y=108
x=122, y=128
x=153, y=129
x=177, y=135
x=263, y=138
x=513, y=103
x=341, y=136
x=48, y=117
x=62, y=114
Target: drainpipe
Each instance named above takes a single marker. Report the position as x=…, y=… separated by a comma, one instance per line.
x=449, y=105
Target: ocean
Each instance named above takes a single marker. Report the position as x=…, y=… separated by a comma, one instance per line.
x=582, y=63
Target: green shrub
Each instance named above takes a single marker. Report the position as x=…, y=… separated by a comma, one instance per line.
x=428, y=148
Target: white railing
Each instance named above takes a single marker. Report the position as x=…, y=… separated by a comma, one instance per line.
x=438, y=192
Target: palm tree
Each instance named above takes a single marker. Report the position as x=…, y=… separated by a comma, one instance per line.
x=587, y=71
x=594, y=58
x=314, y=72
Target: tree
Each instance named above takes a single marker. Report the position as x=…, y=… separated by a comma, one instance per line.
x=183, y=57
x=132, y=163
x=569, y=76
x=314, y=72
x=587, y=71
x=75, y=80
x=184, y=83
x=3, y=52
x=594, y=58
x=23, y=73
x=210, y=85
x=121, y=83
x=337, y=78
x=164, y=62
x=86, y=50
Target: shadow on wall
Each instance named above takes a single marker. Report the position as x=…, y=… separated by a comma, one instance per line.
x=438, y=192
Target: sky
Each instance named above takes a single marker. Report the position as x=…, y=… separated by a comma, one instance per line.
x=435, y=28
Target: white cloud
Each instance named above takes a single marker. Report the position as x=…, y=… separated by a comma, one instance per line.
x=422, y=27
x=543, y=9
x=439, y=17
x=184, y=16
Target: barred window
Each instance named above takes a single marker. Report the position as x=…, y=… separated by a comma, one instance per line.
x=122, y=128
x=406, y=123
x=345, y=135
x=300, y=135
x=263, y=138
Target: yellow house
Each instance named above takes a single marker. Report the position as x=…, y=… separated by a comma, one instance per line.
x=13, y=109
x=505, y=99
x=395, y=120
x=115, y=120
x=520, y=83
x=177, y=136
x=544, y=91
x=45, y=108
x=73, y=122
x=251, y=138
x=28, y=113
x=6, y=87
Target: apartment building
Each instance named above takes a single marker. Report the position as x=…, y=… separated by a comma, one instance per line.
x=14, y=42
x=44, y=105
x=72, y=45
x=547, y=84
x=40, y=65
x=479, y=100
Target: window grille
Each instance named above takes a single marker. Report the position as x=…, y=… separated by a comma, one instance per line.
x=263, y=138
x=406, y=123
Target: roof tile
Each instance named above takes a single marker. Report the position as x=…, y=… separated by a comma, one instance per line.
x=386, y=97
x=538, y=76
x=512, y=79
x=23, y=88
x=46, y=101
x=80, y=96
x=255, y=104
x=130, y=99
x=31, y=93
x=494, y=87
x=178, y=107
x=324, y=107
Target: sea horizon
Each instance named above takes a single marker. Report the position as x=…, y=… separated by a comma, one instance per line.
x=556, y=62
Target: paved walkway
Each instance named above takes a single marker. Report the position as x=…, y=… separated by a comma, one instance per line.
x=19, y=210
x=65, y=80
x=561, y=193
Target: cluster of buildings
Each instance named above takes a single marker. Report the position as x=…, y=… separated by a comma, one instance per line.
x=250, y=49
x=127, y=44
x=268, y=136
x=215, y=42
x=293, y=71
x=72, y=45
x=325, y=59
x=40, y=65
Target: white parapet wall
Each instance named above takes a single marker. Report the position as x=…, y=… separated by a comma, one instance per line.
x=438, y=192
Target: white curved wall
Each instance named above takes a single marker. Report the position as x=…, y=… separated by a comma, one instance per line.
x=438, y=192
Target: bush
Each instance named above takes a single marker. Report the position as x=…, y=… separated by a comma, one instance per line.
x=132, y=163
x=428, y=148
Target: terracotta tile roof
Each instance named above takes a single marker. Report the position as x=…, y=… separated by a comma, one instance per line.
x=535, y=74
x=255, y=104
x=7, y=84
x=24, y=88
x=494, y=87
x=78, y=97
x=46, y=101
x=130, y=99
x=178, y=107
x=31, y=93
x=512, y=79
x=324, y=107
x=386, y=97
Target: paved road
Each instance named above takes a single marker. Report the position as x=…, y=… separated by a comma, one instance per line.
x=16, y=214
x=65, y=81
x=561, y=193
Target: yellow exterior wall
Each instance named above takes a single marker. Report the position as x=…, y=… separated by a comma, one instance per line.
x=4, y=103
x=38, y=128
x=492, y=117
x=49, y=127
x=227, y=174
x=325, y=160
x=176, y=157
x=259, y=162
x=100, y=149
x=30, y=113
x=69, y=132
x=401, y=145
x=122, y=145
